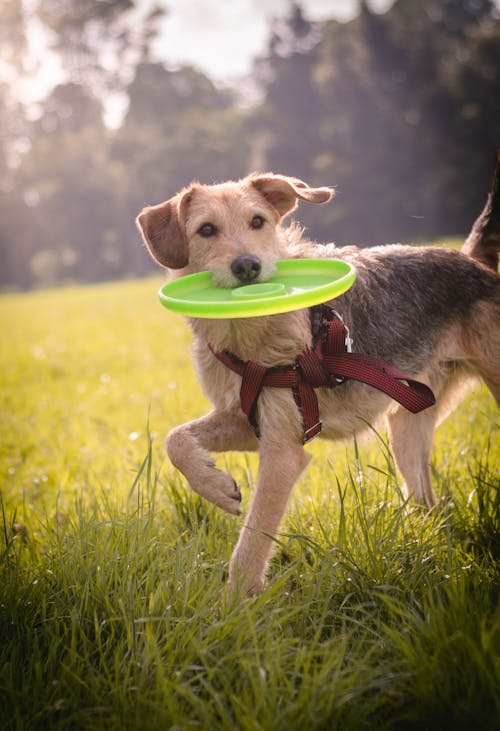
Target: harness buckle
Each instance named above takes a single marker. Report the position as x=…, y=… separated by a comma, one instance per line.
x=311, y=432
x=348, y=340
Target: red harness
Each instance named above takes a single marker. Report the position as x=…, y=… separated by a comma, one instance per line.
x=326, y=365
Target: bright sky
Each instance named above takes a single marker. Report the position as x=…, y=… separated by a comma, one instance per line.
x=222, y=36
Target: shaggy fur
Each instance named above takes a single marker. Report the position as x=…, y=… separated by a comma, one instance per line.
x=433, y=313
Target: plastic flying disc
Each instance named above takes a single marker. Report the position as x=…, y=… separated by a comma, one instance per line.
x=297, y=283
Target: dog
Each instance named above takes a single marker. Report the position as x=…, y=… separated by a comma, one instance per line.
x=432, y=312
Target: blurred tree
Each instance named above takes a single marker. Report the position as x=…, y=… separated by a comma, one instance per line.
x=178, y=128
x=471, y=74
x=60, y=194
x=392, y=129
x=68, y=189
x=286, y=121
x=12, y=34
x=13, y=63
x=12, y=46
x=100, y=42
x=400, y=111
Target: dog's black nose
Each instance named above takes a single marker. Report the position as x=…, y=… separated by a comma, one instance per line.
x=246, y=267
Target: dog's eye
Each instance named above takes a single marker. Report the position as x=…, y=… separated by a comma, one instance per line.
x=257, y=222
x=207, y=230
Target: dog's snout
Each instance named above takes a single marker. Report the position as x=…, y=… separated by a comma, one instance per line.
x=246, y=267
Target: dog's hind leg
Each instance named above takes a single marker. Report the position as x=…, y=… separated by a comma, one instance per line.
x=411, y=437
x=188, y=447
x=482, y=344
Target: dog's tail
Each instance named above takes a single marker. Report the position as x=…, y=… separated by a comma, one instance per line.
x=483, y=242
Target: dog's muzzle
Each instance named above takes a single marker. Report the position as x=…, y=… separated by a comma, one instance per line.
x=246, y=268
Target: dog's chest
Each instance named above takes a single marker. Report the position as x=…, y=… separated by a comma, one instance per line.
x=220, y=385
x=270, y=341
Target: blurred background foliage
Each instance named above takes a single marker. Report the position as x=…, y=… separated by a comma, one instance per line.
x=400, y=111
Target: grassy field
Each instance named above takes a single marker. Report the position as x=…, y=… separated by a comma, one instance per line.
x=113, y=609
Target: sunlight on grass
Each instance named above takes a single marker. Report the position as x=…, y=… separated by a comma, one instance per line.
x=88, y=372
x=113, y=607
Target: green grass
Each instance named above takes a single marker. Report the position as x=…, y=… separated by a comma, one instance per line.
x=113, y=607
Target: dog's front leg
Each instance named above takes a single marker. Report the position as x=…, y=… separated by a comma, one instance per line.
x=280, y=466
x=188, y=447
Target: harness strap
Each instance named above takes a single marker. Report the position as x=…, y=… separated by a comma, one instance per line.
x=251, y=385
x=307, y=402
x=253, y=377
x=413, y=395
x=327, y=366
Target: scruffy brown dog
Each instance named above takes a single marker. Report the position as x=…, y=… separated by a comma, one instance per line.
x=433, y=313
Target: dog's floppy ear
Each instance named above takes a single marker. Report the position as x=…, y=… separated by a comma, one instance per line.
x=163, y=230
x=282, y=192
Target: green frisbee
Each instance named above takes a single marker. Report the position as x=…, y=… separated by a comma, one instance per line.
x=296, y=284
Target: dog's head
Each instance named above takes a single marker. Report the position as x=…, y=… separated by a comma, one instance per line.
x=231, y=229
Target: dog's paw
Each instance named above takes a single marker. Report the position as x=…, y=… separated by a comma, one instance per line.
x=223, y=491
x=245, y=578
x=240, y=588
x=228, y=495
